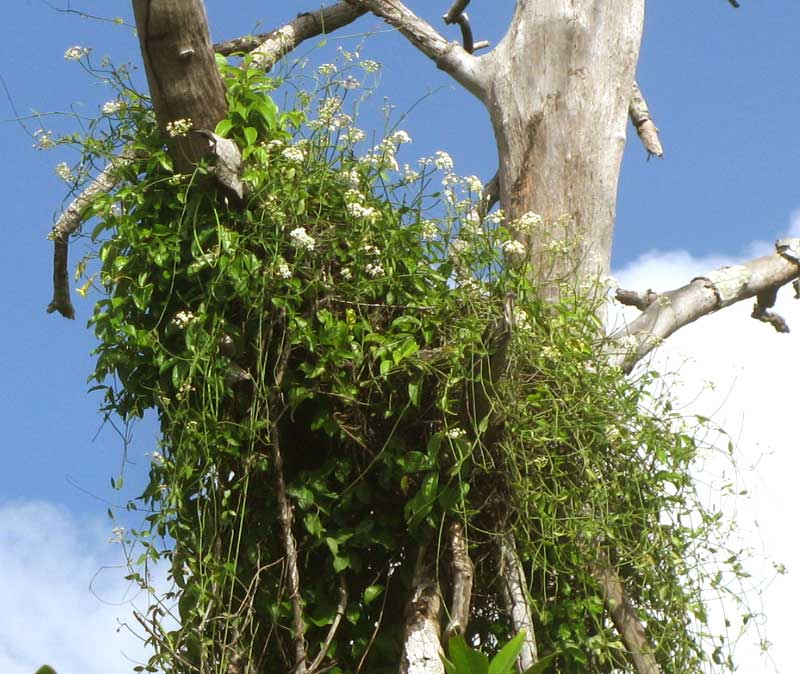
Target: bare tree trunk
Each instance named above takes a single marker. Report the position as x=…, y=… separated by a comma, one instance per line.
x=181, y=71
x=558, y=98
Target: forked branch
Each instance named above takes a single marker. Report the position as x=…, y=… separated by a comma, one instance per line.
x=672, y=310
x=448, y=56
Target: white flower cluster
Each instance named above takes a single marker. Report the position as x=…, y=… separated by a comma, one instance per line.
x=76, y=53
x=350, y=83
x=355, y=208
x=118, y=534
x=327, y=69
x=183, y=318
x=294, y=154
x=179, y=127
x=456, y=433
x=44, y=139
x=443, y=161
x=474, y=184
x=400, y=137
x=528, y=222
x=374, y=269
x=63, y=171
x=429, y=230
x=282, y=269
x=112, y=107
x=409, y=174
x=353, y=178
x=301, y=239
x=370, y=66
x=514, y=248
x=353, y=135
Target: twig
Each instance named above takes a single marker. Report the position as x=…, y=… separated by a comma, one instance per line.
x=69, y=222
x=267, y=48
x=462, y=572
x=643, y=122
x=340, y=611
x=455, y=10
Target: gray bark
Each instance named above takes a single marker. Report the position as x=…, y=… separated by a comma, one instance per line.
x=181, y=72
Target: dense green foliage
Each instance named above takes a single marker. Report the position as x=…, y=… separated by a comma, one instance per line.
x=328, y=325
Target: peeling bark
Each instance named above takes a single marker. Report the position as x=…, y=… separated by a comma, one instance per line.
x=422, y=650
x=515, y=596
x=181, y=72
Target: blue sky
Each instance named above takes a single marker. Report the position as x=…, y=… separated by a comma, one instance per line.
x=722, y=86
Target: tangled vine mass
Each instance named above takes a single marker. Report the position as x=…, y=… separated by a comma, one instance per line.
x=340, y=376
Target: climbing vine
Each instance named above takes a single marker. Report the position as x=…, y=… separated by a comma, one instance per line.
x=343, y=362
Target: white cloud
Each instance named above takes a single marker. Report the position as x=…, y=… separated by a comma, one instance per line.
x=756, y=372
x=49, y=559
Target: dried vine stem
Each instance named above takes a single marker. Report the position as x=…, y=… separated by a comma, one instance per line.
x=461, y=572
x=341, y=607
x=285, y=516
x=515, y=596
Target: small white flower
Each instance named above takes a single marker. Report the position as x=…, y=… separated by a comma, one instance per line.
x=521, y=319
x=409, y=174
x=283, y=269
x=374, y=269
x=369, y=249
x=353, y=196
x=112, y=107
x=443, y=161
x=354, y=135
x=514, y=248
x=63, y=171
x=274, y=144
x=429, y=230
x=455, y=433
x=458, y=246
x=473, y=183
x=326, y=69
x=449, y=179
x=612, y=434
x=370, y=66
x=353, y=178
x=179, y=127
x=368, y=213
x=293, y=154
x=301, y=239
x=76, y=53
x=346, y=274
x=350, y=83
x=400, y=137
x=44, y=139
x=550, y=353
x=118, y=534
x=495, y=218
x=183, y=318
x=529, y=221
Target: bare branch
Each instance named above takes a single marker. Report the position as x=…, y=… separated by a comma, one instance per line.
x=704, y=295
x=448, y=56
x=761, y=310
x=462, y=572
x=268, y=48
x=457, y=8
x=515, y=595
x=647, y=130
x=627, y=623
x=422, y=649
x=69, y=222
x=632, y=298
